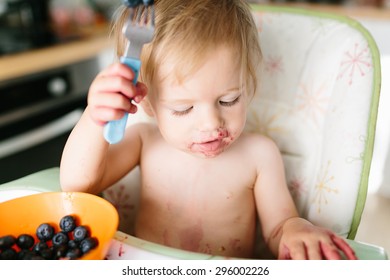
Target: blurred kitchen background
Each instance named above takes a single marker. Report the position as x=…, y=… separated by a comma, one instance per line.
x=50, y=51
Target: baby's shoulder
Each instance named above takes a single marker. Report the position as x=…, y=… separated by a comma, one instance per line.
x=256, y=140
x=258, y=144
x=143, y=128
x=141, y=131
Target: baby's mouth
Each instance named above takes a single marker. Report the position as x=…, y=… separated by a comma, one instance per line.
x=211, y=146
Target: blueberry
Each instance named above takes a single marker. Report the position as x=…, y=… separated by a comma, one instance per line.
x=73, y=244
x=25, y=254
x=34, y=257
x=59, y=251
x=47, y=253
x=67, y=223
x=7, y=241
x=73, y=253
x=45, y=232
x=40, y=246
x=80, y=233
x=60, y=238
x=70, y=243
x=25, y=241
x=9, y=254
x=38, y=257
x=88, y=244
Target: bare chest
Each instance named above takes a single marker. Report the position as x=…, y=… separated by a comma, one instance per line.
x=197, y=205
x=193, y=181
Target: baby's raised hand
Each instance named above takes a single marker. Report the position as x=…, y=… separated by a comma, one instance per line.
x=302, y=240
x=112, y=93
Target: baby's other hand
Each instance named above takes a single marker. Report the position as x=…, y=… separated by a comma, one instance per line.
x=302, y=240
x=112, y=93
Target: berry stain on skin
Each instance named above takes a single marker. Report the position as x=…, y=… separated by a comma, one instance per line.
x=166, y=239
x=191, y=237
x=214, y=147
x=229, y=195
x=235, y=244
x=222, y=134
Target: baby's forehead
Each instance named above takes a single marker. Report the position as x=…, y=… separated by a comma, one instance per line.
x=184, y=64
x=217, y=77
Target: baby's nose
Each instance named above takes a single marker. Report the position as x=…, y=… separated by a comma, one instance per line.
x=210, y=120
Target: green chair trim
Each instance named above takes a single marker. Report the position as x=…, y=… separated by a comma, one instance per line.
x=371, y=125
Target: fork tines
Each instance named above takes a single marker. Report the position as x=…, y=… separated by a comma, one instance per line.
x=142, y=15
x=139, y=29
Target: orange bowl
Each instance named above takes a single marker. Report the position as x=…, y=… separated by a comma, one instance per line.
x=24, y=214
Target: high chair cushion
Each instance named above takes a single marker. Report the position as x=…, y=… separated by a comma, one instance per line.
x=318, y=101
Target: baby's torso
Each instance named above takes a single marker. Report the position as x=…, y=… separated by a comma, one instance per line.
x=196, y=204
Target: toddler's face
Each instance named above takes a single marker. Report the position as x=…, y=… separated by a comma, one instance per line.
x=205, y=113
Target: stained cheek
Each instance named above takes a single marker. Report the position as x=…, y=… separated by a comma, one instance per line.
x=228, y=140
x=233, y=135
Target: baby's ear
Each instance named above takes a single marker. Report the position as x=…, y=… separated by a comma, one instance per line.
x=145, y=103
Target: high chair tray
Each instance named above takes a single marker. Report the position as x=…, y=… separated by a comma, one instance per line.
x=125, y=246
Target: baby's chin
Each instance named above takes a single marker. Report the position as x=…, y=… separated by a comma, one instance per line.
x=206, y=154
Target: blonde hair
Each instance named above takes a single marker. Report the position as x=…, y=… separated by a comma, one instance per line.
x=186, y=30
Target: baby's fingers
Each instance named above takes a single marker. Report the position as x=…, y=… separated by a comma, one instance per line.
x=314, y=252
x=141, y=91
x=106, y=107
x=329, y=251
x=115, y=85
x=294, y=252
x=332, y=251
x=107, y=99
x=118, y=69
x=102, y=115
x=344, y=247
x=284, y=253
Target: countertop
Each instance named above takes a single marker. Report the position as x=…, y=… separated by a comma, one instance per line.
x=21, y=64
x=14, y=66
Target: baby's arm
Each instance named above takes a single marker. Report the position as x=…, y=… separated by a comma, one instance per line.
x=287, y=235
x=89, y=163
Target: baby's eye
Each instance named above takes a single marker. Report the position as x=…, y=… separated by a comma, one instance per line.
x=230, y=103
x=181, y=112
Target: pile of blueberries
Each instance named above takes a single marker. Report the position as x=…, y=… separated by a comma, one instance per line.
x=72, y=242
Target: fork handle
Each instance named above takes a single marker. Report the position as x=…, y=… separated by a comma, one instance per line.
x=115, y=130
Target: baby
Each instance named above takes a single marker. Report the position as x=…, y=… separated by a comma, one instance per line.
x=205, y=182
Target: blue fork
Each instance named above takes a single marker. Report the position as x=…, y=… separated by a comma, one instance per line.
x=138, y=30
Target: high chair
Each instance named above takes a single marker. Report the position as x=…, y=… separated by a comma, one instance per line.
x=318, y=100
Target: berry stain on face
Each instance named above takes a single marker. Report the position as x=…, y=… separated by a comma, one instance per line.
x=212, y=146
